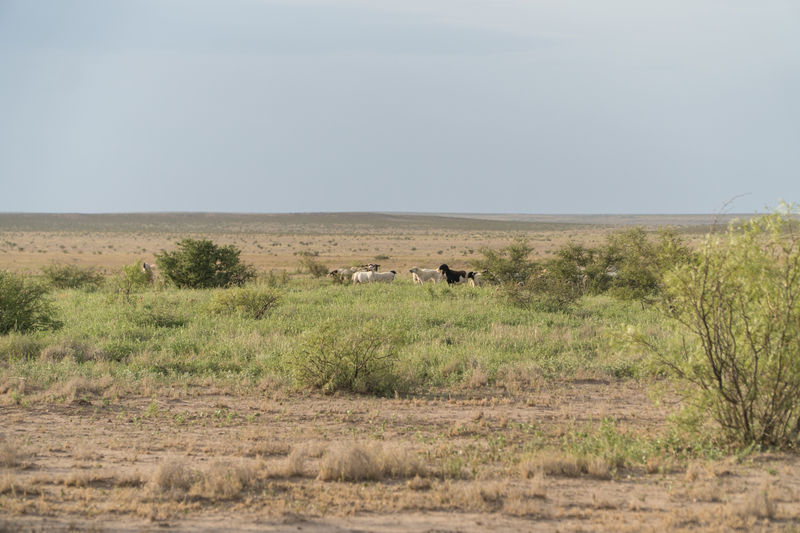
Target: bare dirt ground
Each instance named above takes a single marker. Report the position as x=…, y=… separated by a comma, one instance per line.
x=213, y=461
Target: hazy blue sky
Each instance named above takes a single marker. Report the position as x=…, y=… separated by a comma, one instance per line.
x=483, y=106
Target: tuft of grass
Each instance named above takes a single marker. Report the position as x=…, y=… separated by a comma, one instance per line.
x=357, y=462
x=759, y=504
x=172, y=475
x=225, y=480
x=11, y=455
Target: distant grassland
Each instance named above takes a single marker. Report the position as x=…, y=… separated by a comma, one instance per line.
x=335, y=222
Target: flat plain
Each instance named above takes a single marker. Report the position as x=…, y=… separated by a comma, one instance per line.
x=505, y=448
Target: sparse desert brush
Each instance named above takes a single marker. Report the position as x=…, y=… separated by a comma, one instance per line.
x=224, y=480
x=129, y=479
x=759, y=504
x=599, y=468
x=172, y=475
x=348, y=462
x=11, y=454
x=355, y=462
x=398, y=461
x=694, y=472
x=418, y=483
x=553, y=464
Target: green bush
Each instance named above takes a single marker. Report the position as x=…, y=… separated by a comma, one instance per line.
x=64, y=276
x=629, y=266
x=361, y=359
x=738, y=305
x=24, y=305
x=251, y=303
x=507, y=265
x=201, y=264
x=640, y=263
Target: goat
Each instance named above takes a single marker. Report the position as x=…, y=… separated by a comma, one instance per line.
x=421, y=275
x=454, y=277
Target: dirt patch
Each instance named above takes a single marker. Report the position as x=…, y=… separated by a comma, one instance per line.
x=440, y=462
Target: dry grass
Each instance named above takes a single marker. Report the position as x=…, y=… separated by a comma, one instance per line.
x=418, y=483
x=759, y=504
x=599, y=468
x=356, y=462
x=172, y=475
x=224, y=480
x=552, y=464
x=12, y=455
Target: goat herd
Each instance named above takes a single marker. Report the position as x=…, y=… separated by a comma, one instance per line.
x=369, y=274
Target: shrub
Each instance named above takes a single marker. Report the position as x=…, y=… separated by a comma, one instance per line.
x=630, y=266
x=738, y=305
x=359, y=360
x=312, y=266
x=24, y=305
x=641, y=263
x=64, y=276
x=251, y=303
x=201, y=264
x=507, y=265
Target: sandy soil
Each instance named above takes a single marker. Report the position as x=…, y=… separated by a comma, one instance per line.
x=254, y=463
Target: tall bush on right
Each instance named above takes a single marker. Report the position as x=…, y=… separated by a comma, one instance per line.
x=738, y=305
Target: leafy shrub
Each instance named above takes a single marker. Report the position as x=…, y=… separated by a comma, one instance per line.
x=738, y=303
x=641, y=263
x=24, y=305
x=361, y=360
x=313, y=267
x=64, y=276
x=201, y=264
x=251, y=303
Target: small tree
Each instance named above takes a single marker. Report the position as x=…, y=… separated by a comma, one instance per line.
x=738, y=305
x=24, y=305
x=201, y=264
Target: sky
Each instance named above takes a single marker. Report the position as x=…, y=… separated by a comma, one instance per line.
x=442, y=106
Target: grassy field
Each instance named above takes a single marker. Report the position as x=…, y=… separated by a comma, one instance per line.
x=158, y=409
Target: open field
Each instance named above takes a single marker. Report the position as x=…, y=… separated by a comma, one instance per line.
x=28, y=241
x=153, y=412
